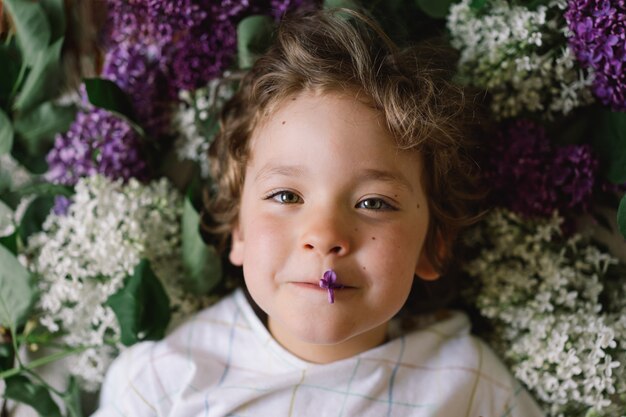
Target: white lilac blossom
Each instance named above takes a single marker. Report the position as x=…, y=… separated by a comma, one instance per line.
x=520, y=56
x=196, y=121
x=83, y=257
x=12, y=174
x=12, y=177
x=544, y=297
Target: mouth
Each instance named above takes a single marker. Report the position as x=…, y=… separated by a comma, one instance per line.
x=316, y=286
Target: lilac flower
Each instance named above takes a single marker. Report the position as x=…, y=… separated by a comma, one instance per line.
x=97, y=142
x=329, y=282
x=573, y=172
x=159, y=47
x=202, y=56
x=598, y=39
x=135, y=69
x=61, y=205
x=532, y=177
x=151, y=22
x=280, y=7
x=226, y=9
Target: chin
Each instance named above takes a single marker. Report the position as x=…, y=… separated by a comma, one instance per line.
x=318, y=333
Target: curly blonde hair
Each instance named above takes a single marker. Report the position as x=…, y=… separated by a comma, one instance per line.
x=345, y=51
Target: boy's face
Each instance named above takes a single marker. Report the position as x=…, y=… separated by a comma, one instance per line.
x=326, y=188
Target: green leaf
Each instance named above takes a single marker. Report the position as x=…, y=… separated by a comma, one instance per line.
x=42, y=123
x=35, y=164
x=7, y=356
x=107, y=95
x=534, y=4
x=72, y=399
x=16, y=290
x=10, y=242
x=141, y=306
x=6, y=133
x=344, y=4
x=437, y=9
x=32, y=28
x=202, y=264
x=609, y=141
x=621, y=216
x=477, y=4
x=21, y=389
x=55, y=12
x=9, y=71
x=34, y=216
x=45, y=188
x=254, y=36
x=44, y=80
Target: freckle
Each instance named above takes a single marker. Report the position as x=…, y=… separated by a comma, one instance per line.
x=356, y=229
x=363, y=268
x=284, y=122
x=418, y=206
x=373, y=238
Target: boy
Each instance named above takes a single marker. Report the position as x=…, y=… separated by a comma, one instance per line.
x=342, y=178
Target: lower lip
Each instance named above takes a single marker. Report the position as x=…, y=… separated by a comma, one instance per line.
x=316, y=287
x=308, y=286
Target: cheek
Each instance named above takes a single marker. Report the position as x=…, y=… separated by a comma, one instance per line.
x=265, y=237
x=398, y=246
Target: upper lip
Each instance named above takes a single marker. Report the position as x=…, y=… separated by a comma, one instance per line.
x=317, y=282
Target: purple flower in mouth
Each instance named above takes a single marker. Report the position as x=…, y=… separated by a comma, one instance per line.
x=329, y=283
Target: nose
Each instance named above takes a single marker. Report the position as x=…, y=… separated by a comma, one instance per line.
x=326, y=233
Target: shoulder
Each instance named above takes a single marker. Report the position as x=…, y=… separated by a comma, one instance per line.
x=142, y=375
x=465, y=369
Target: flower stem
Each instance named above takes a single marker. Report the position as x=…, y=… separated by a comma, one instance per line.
x=44, y=383
x=41, y=361
x=16, y=350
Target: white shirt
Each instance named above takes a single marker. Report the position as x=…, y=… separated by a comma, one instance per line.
x=224, y=362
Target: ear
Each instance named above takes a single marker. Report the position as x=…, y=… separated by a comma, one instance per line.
x=425, y=269
x=237, y=246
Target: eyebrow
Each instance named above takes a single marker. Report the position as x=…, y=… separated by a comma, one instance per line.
x=282, y=170
x=368, y=174
x=371, y=174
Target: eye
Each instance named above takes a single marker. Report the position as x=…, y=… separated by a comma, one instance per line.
x=285, y=197
x=374, y=204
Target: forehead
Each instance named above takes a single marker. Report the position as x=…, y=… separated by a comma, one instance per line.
x=337, y=130
x=320, y=113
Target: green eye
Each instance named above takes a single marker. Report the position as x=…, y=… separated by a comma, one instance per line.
x=286, y=197
x=374, y=204
x=289, y=198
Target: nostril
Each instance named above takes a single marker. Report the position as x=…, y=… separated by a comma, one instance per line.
x=308, y=246
x=336, y=249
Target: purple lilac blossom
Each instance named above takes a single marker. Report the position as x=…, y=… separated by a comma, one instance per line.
x=135, y=69
x=201, y=56
x=532, y=177
x=151, y=22
x=226, y=9
x=61, y=205
x=598, y=40
x=97, y=142
x=157, y=47
x=280, y=7
x=329, y=282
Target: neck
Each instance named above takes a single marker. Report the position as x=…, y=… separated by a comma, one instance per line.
x=327, y=353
